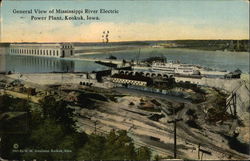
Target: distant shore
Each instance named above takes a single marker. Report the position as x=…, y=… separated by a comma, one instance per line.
x=207, y=45
x=105, y=50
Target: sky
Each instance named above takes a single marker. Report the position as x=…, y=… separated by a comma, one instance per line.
x=137, y=20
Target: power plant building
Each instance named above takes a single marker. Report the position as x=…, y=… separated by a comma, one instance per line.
x=58, y=50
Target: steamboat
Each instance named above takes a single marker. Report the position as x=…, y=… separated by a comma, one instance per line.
x=175, y=68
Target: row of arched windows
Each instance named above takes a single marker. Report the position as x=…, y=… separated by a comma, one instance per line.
x=36, y=52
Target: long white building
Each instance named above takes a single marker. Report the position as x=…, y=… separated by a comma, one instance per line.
x=59, y=50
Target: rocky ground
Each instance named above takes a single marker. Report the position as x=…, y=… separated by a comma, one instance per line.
x=145, y=116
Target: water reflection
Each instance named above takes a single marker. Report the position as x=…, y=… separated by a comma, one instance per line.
x=32, y=64
x=2, y=63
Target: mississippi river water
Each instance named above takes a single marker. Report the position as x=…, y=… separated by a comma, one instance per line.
x=218, y=60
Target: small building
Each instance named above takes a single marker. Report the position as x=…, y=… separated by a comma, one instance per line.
x=59, y=50
x=166, y=83
x=236, y=74
x=31, y=91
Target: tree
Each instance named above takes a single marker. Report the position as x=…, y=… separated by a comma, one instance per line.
x=93, y=149
x=119, y=146
x=114, y=146
x=12, y=125
x=158, y=157
x=58, y=111
x=8, y=104
x=47, y=135
x=50, y=135
x=143, y=153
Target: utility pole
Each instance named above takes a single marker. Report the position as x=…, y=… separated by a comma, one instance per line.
x=199, y=145
x=174, y=121
x=95, y=122
x=234, y=105
x=201, y=152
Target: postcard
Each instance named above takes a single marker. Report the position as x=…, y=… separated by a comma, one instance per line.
x=124, y=80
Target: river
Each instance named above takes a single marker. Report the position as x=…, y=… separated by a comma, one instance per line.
x=218, y=60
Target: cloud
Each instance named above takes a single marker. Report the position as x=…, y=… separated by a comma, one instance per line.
x=66, y=31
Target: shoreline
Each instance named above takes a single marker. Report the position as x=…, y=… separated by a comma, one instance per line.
x=236, y=52
x=101, y=51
